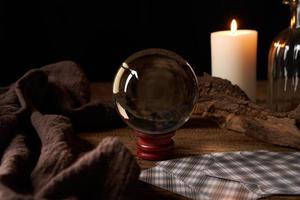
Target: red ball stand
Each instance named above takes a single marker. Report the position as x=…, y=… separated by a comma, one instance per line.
x=154, y=146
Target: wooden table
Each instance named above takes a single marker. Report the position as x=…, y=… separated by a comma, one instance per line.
x=193, y=139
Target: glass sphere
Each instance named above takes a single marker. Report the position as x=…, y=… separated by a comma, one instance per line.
x=155, y=91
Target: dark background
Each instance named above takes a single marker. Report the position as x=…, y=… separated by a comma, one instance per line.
x=101, y=34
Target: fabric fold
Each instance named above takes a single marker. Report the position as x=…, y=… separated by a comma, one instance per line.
x=42, y=158
x=98, y=167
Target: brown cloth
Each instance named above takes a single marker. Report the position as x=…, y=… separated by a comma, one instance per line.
x=41, y=156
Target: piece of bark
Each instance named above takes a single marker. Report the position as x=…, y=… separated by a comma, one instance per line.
x=295, y=114
x=228, y=105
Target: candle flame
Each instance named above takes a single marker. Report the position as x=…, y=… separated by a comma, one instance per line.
x=234, y=26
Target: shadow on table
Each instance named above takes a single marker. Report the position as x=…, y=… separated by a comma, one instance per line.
x=200, y=123
x=146, y=191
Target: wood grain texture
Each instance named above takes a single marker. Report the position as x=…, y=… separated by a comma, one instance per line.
x=228, y=105
x=193, y=139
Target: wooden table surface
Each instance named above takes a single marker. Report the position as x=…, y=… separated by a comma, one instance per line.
x=193, y=139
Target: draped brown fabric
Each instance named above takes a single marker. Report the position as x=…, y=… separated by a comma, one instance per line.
x=41, y=156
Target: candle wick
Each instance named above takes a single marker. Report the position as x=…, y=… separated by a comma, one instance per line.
x=233, y=27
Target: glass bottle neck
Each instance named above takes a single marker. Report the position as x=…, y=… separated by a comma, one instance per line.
x=295, y=15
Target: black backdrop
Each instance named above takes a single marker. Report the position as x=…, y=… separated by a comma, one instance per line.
x=101, y=34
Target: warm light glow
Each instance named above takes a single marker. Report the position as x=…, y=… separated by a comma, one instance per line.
x=293, y=21
x=279, y=45
x=234, y=26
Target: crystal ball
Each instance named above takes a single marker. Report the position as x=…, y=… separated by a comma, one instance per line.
x=155, y=91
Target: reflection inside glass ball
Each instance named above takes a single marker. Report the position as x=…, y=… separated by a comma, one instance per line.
x=155, y=91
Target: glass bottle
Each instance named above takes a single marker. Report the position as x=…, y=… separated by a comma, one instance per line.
x=284, y=64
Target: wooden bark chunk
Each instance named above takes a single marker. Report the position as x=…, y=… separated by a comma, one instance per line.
x=229, y=106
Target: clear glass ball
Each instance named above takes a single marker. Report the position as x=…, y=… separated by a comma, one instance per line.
x=155, y=91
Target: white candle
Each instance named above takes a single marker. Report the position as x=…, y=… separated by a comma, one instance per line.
x=233, y=57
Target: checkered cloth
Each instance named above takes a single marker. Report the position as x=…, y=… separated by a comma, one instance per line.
x=224, y=176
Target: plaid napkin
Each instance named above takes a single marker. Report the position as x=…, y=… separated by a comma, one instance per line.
x=235, y=175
